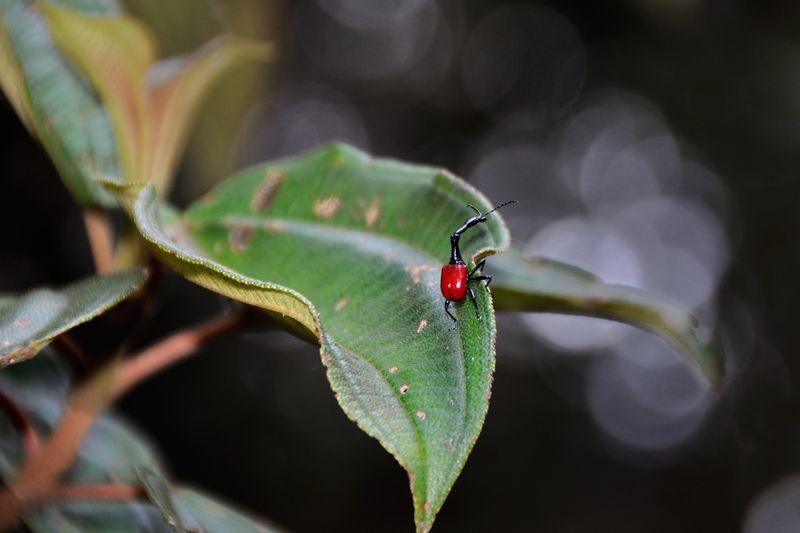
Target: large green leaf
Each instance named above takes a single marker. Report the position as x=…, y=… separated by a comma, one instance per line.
x=190, y=510
x=31, y=320
x=350, y=248
x=54, y=100
x=544, y=285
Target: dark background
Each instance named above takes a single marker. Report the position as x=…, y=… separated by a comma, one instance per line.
x=651, y=141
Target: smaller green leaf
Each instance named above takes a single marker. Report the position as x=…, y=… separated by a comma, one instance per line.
x=186, y=509
x=56, y=102
x=31, y=320
x=544, y=285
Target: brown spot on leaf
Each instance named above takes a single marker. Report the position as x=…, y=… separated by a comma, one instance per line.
x=327, y=207
x=266, y=191
x=22, y=323
x=415, y=271
x=27, y=352
x=209, y=197
x=422, y=324
x=271, y=226
x=404, y=388
x=337, y=160
x=426, y=506
x=422, y=415
x=340, y=304
x=373, y=212
x=595, y=302
x=393, y=370
x=239, y=238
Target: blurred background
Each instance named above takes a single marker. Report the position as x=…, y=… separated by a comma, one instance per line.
x=653, y=142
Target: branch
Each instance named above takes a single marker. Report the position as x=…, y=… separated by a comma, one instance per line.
x=110, y=492
x=101, y=240
x=12, y=505
x=35, y=482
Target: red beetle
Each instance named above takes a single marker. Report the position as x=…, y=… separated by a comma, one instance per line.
x=455, y=277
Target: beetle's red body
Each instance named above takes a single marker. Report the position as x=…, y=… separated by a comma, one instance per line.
x=455, y=276
x=454, y=282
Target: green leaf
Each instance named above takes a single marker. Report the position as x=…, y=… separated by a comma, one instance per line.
x=350, y=248
x=31, y=320
x=54, y=101
x=111, y=452
x=190, y=510
x=544, y=285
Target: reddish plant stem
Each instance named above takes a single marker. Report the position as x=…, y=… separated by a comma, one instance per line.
x=36, y=481
x=101, y=239
x=111, y=492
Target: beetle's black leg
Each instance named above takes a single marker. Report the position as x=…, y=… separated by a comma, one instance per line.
x=479, y=266
x=487, y=279
x=447, y=310
x=474, y=302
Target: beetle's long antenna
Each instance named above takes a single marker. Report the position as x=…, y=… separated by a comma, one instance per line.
x=455, y=253
x=474, y=209
x=501, y=205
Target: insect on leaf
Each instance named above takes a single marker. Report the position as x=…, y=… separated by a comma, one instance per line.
x=349, y=248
